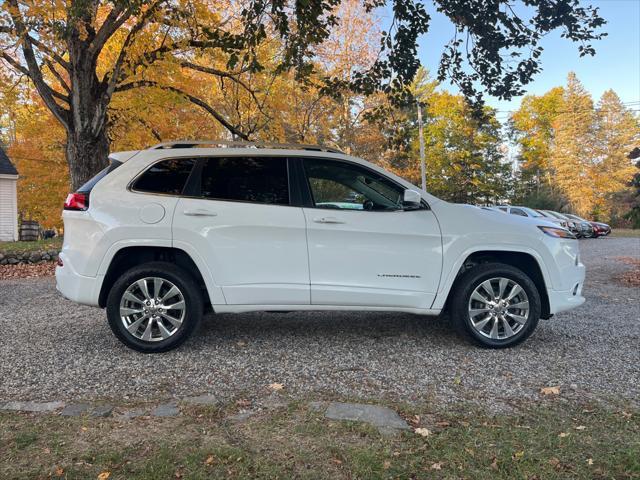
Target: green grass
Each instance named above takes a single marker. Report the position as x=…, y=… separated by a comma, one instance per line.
x=51, y=244
x=297, y=442
x=625, y=232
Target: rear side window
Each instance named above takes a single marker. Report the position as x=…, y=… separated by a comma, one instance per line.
x=246, y=179
x=168, y=176
x=517, y=211
x=87, y=187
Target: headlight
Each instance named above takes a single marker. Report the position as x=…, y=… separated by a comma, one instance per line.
x=557, y=232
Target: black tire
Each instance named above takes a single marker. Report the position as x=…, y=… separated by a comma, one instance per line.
x=469, y=281
x=174, y=274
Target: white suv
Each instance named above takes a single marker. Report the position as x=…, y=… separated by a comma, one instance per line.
x=165, y=233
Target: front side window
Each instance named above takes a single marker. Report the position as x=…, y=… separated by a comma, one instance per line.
x=344, y=186
x=168, y=176
x=246, y=179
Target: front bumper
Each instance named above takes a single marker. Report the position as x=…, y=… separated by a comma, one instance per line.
x=562, y=300
x=75, y=287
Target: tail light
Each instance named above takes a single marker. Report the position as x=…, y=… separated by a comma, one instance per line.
x=77, y=201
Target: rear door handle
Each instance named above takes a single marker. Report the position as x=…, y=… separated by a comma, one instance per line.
x=200, y=212
x=327, y=220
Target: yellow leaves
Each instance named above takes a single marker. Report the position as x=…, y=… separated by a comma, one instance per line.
x=276, y=387
x=580, y=427
x=423, y=432
x=437, y=466
x=104, y=475
x=564, y=434
x=210, y=460
x=58, y=471
x=550, y=391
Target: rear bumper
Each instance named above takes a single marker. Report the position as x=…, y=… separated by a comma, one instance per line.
x=75, y=287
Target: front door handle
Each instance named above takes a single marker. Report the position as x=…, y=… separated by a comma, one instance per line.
x=327, y=220
x=200, y=212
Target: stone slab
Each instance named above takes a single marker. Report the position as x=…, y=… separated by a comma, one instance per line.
x=382, y=417
x=32, y=406
x=102, y=411
x=166, y=410
x=75, y=409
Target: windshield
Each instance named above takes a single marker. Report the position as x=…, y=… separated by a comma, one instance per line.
x=532, y=212
x=556, y=215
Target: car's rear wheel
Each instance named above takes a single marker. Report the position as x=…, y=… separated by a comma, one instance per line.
x=495, y=305
x=154, y=307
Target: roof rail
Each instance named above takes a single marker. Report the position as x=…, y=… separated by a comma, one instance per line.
x=233, y=144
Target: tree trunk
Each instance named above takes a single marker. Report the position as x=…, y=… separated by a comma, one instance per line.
x=87, y=139
x=87, y=154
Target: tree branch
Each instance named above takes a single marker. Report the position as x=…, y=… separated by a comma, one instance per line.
x=108, y=28
x=195, y=100
x=55, y=73
x=233, y=76
x=34, y=72
x=115, y=75
x=55, y=56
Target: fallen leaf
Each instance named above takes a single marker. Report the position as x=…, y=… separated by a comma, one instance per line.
x=104, y=475
x=443, y=424
x=422, y=432
x=550, y=391
x=589, y=461
x=243, y=402
x=580, y=427
x=24, y=270
x=241, y=343
x=494, y=464
x=386, y=465
x=437, y=466
x=210, y=460
x=336, y=461
x=59, y=471
x=518, y=455
x=276, y=387
x=563, y=434
x=457, y=380
x=554, y=461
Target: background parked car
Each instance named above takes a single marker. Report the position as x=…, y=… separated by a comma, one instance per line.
x=563, y=222
x=585, y=225
x=600, y=229
x=522, y=211
x=571, y=224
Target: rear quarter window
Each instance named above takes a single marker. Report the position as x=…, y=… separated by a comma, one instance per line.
x=87, y=187
x=168, y=177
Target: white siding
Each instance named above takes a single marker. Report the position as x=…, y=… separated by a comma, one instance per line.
x=8, y=208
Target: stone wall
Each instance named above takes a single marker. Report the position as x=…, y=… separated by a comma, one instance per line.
x=38, y=256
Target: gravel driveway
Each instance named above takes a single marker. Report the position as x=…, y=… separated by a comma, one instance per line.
x=53, y=349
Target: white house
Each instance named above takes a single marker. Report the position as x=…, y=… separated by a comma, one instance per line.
x=8, y=199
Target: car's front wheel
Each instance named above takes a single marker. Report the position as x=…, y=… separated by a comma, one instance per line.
x=495, y=305
x=154, y=307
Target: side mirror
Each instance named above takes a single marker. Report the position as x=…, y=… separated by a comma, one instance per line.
x=412, y=199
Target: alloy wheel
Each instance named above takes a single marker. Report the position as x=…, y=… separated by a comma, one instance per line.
x=152, y=309
x=498, y=308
